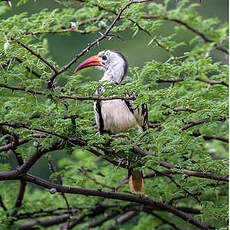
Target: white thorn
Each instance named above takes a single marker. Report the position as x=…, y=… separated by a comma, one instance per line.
x=135, y=33
x=6, y=46
x=150, y=42
x=207, y=54
x=102, y=24
x=53, y=190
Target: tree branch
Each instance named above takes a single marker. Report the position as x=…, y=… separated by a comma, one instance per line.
x=84, y=172
x=12, y=145
x=80, y=142
x=22, y=186
x=186, y=171
x=59, y=179
x=20, y=195
x=117, y=196
x=169, y=80
x=44, y=223
x=210, y=137
x=179, y=109
x=122, y=219
x=191, y=124
x=178, y=21
x=28, y=68
x=164, y=221
x=36, y=54
x=102, y=220
x=86, y=98
x=2, y=204
x=213, y=82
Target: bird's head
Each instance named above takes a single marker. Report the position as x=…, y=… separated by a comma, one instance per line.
x=113, y=63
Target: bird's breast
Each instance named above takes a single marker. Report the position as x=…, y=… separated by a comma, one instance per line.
x=117, y=117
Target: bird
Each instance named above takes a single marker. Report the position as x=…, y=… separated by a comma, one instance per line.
x=117, y=115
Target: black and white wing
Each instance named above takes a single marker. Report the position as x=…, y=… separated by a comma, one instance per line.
x=140, y=113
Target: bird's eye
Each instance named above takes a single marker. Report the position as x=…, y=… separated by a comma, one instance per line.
x=104, y=58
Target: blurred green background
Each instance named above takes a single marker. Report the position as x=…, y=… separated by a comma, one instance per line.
x=62, y=47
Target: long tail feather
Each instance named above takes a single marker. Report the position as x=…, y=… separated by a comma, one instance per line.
x=136, y=181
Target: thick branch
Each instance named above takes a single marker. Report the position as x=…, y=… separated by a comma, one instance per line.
x=191, y=124
x=103, y=220
x=122, y=219
x=20, y=195
x=116, y=196
x=12, y=145
x=194, y=123
x=44, y=223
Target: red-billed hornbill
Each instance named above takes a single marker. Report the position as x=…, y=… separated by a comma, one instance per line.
x=115, y=116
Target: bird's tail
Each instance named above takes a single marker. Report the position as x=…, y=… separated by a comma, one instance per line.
x=136, y=181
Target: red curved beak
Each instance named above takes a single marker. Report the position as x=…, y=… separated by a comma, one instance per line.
x=92, y=61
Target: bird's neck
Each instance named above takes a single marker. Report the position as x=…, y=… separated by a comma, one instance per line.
x=115, y=75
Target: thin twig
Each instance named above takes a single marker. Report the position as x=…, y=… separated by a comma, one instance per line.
x=179, y=109
x=169, y=80
x=36, y=54
x=28, y=68
x=84, y=172
x=178, y=21
x=164, y=221
x=59, y=179
x=80, y=98
x=210, y=137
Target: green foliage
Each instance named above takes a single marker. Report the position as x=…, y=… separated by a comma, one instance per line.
x=198, y=95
